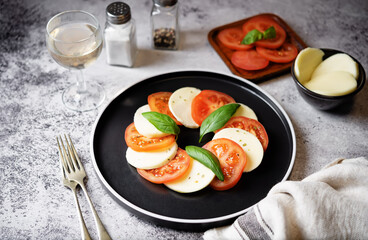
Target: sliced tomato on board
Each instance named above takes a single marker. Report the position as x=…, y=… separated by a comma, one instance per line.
x=206, y=102
x=286, y=53
x=249, y=60
x=140, y=143
x=249, y=125
x=159, y=102
x=232, y=37
x=261, y=23
x=169, y=172
x=232, y=161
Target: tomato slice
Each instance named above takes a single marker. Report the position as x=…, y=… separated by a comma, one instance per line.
x=232, y=37
x=206, y=102
x=159, y=102
x=249, y=60
x=286, y=53
x=169, y=172
x=249, y=125
x=140, y=143
x=232, y=160
x=261, y=23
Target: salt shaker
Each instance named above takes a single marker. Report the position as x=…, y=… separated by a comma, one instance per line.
x=164, y=24
x=120, y=35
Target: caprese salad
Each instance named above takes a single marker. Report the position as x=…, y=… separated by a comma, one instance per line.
x=258, y=42
x=238, y=144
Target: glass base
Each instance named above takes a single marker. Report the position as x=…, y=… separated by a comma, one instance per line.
x=89, y=99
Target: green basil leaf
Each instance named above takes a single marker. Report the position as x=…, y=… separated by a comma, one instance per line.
x=207, y=158
x=269, y=33
x=252, y=37
x=162, y=122
x=255, y=35
x=217, y=119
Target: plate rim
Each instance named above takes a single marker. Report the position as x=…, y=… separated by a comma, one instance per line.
x=186, y=220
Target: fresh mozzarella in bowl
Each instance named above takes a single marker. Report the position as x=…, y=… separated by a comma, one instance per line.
x=197, y=177
x=143, y=126
x=245, y=111
x=250, y=144
x=180, y=104
x=150, y=160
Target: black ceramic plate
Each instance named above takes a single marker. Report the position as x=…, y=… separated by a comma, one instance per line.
x=206, y=208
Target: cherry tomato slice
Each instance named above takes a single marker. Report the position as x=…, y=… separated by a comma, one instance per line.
x=249, y=60
x=261, y=23
x=158, y=102
x=169, y=172
x=249, y=125
x=286, y=53
x=232, y=160
x=206, y=102
x=232, y=37
x=140, y=143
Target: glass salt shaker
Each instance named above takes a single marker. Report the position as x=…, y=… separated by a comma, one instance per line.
x=120, y=35
x=164, y=24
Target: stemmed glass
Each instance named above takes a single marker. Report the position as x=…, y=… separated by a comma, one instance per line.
x=74, y=40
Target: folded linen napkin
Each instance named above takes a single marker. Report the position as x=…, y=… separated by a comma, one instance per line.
x=329, y=204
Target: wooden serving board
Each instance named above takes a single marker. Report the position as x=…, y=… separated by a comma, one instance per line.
x=273, y=69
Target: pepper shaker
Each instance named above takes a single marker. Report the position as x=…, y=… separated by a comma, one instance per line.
x=120, y=35
x=164, y=24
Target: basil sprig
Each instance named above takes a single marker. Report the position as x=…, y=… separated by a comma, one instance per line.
x=256, y=35
x=217, y=119
x=207, y=158
x=162, y=122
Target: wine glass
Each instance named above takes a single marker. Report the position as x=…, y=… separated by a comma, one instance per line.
x=74, y=40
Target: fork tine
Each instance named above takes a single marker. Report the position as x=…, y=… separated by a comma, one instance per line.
x=69, y=165
x=71, y=154
x=78, y=161
x=61, y=157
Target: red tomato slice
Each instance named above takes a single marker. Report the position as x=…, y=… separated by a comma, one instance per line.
x=206, y=102
x=158, y=102
x=140, y=143
x=169, y=172
x=232, y=37
x=286, y=53
x=249, y=60
x=250, y=125
x=232, y=160
x=261, y=23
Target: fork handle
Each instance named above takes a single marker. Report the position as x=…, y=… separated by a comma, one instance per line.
x=102, y=233
x=84, y=231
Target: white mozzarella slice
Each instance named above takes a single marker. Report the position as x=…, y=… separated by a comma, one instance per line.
x=180, y=104
x=306, y=62
x=143, y=126
x=197, y=177
x=337, y=62
x=250, y=143
x=150, y=160
x=245, y=111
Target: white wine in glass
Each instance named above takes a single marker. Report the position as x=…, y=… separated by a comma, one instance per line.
x=74, y=41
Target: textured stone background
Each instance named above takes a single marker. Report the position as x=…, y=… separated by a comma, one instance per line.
x=33, y=202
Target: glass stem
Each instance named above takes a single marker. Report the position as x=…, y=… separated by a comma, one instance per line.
x=81, y=83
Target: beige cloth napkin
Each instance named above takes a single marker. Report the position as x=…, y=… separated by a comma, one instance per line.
x=329, y=204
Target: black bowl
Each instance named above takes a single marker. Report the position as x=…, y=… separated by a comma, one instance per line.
x=323, y=102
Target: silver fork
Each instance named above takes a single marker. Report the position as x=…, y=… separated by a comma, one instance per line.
x=72, y=185
x=75, y=172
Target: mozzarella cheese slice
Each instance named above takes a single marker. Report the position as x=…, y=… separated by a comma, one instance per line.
x=245, y=111
x=150, y=160
x=180, y=104
x=337, y=62
x=196, y=178
x=250, y=144
x=306, y=62
x=332, y=83
x=143, y=126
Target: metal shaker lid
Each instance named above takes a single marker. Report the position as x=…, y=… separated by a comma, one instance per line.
x=165, y=3
x=118, y=13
